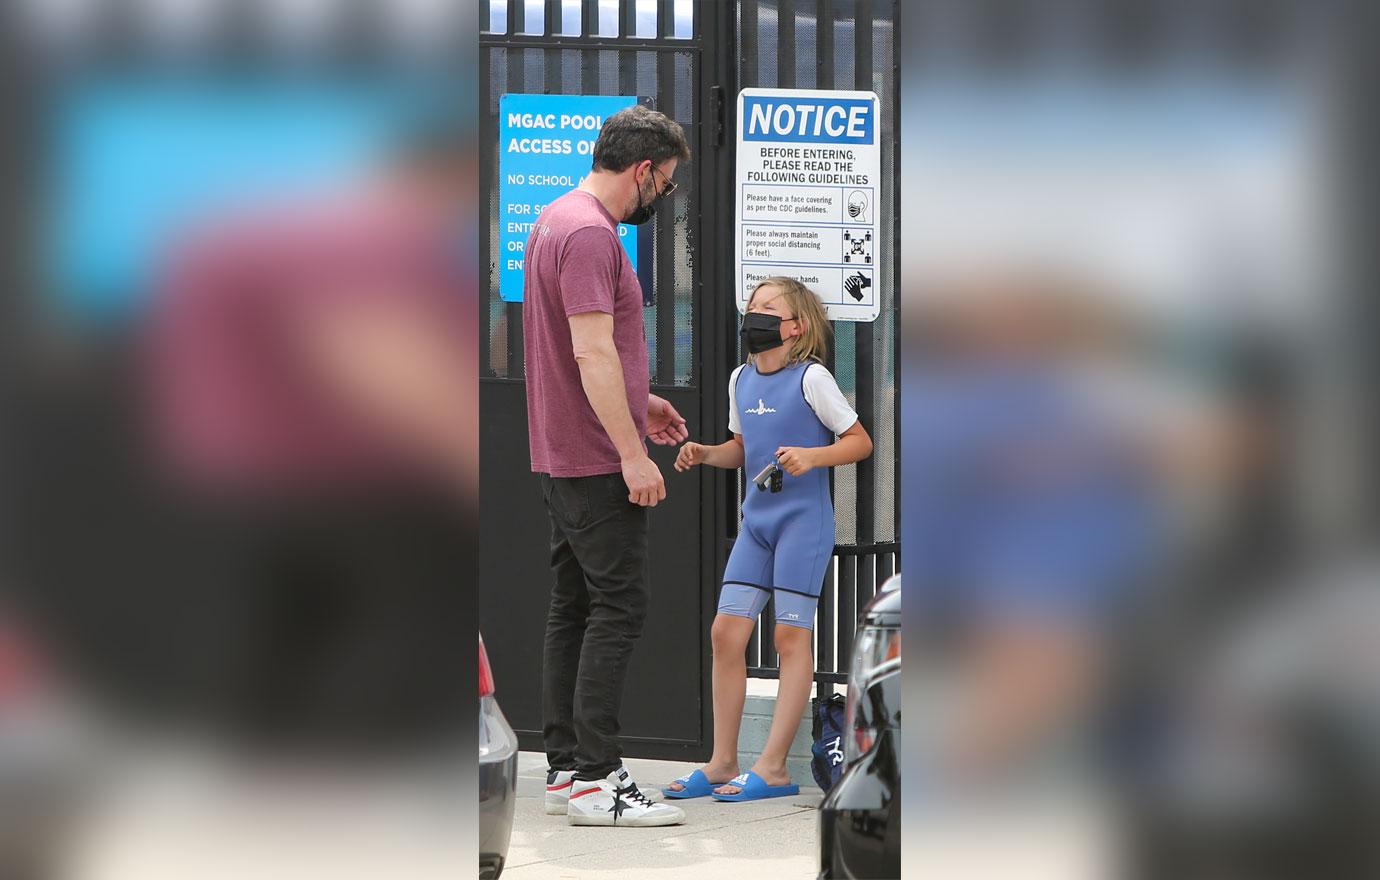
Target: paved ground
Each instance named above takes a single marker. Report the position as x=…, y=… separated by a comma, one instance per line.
x=777, y=838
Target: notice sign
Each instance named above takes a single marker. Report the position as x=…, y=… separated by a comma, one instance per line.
x=809, y=165
x=545, y=148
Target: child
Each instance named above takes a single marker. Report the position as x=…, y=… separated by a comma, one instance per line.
x=784, y=406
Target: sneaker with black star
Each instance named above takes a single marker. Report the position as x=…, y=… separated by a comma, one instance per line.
x=558, y=784
x=615, y=800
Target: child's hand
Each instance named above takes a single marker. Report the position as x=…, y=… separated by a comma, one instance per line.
x=690, y=455
x=796, y=460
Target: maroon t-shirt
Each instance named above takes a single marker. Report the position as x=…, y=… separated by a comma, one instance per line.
x=573, y=264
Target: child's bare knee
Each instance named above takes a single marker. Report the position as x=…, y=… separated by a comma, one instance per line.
x=728, y=634
x=792, y=640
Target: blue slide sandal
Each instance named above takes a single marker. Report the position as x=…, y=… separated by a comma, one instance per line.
x=755, y=788
x=696, y=785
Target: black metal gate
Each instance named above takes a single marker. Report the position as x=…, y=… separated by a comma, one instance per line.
x=846, y=45
x=659, y=56
x=683, y=55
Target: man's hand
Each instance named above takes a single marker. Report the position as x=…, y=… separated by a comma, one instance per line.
x=645, y=486
x=690, y=455
x=665, y=426
x=796, y=460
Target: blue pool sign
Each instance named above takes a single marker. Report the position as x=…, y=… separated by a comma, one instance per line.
x=545, y=148
x=809, y=172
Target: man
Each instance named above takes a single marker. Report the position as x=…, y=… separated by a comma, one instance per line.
x=589, y=408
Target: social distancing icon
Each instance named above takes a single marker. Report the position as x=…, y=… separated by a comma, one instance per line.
x=857, y=246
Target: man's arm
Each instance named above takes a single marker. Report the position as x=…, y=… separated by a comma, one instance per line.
x=601, y=375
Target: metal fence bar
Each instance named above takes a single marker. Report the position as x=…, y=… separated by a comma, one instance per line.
x=589, y=68
x=589, y=22
x=848, y=617
x=666, y=19
x=785, y=37
x=627, y=18
x=825, y=657
x=864, y=351
x=536, y=41
x=665, y=283
x=517, y=82
x=551, y=84
x=866, y=549
x=821, y=678
x=828, y=660
x=747, y=70
x=627, y=72
x=824, y=44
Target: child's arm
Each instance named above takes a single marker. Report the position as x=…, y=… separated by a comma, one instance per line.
x=724, y=455
x=852, y=445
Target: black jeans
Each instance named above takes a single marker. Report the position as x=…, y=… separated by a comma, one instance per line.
x=598, y=604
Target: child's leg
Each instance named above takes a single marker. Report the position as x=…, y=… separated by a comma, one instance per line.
x=795, y=648
x=747, y=586
x=730, y=635
x=739, y=606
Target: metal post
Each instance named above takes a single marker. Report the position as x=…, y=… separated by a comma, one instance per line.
x=865, y=363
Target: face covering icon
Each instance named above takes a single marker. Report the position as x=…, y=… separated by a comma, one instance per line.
x=857, y=206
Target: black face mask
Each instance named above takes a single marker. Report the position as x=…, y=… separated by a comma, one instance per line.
x=643, y=212
x=761, y=332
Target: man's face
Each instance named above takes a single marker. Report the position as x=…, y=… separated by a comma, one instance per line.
x=652, y=181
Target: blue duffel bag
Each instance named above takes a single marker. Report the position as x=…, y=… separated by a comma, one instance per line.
x=826, y=765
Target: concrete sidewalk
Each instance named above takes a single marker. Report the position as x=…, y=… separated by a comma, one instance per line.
x=777, y=838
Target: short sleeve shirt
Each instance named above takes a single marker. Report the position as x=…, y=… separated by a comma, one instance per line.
x=574, y=264
x=822, y=393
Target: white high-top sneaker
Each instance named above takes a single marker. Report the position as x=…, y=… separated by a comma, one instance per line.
x=615, y=800
x=558, y=791
x=558, y=784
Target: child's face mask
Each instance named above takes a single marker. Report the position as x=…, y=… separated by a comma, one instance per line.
x=761, y=332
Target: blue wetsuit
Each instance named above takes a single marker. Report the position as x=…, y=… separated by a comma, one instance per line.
x=787, y=537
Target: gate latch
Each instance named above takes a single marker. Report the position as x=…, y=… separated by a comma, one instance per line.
x=716, y=97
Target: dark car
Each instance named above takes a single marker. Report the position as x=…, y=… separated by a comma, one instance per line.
x=860, y=820
x=498, y=754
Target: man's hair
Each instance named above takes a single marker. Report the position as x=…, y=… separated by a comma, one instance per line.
x=637, y=133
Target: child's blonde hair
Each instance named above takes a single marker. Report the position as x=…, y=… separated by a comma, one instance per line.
x=813, y=342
